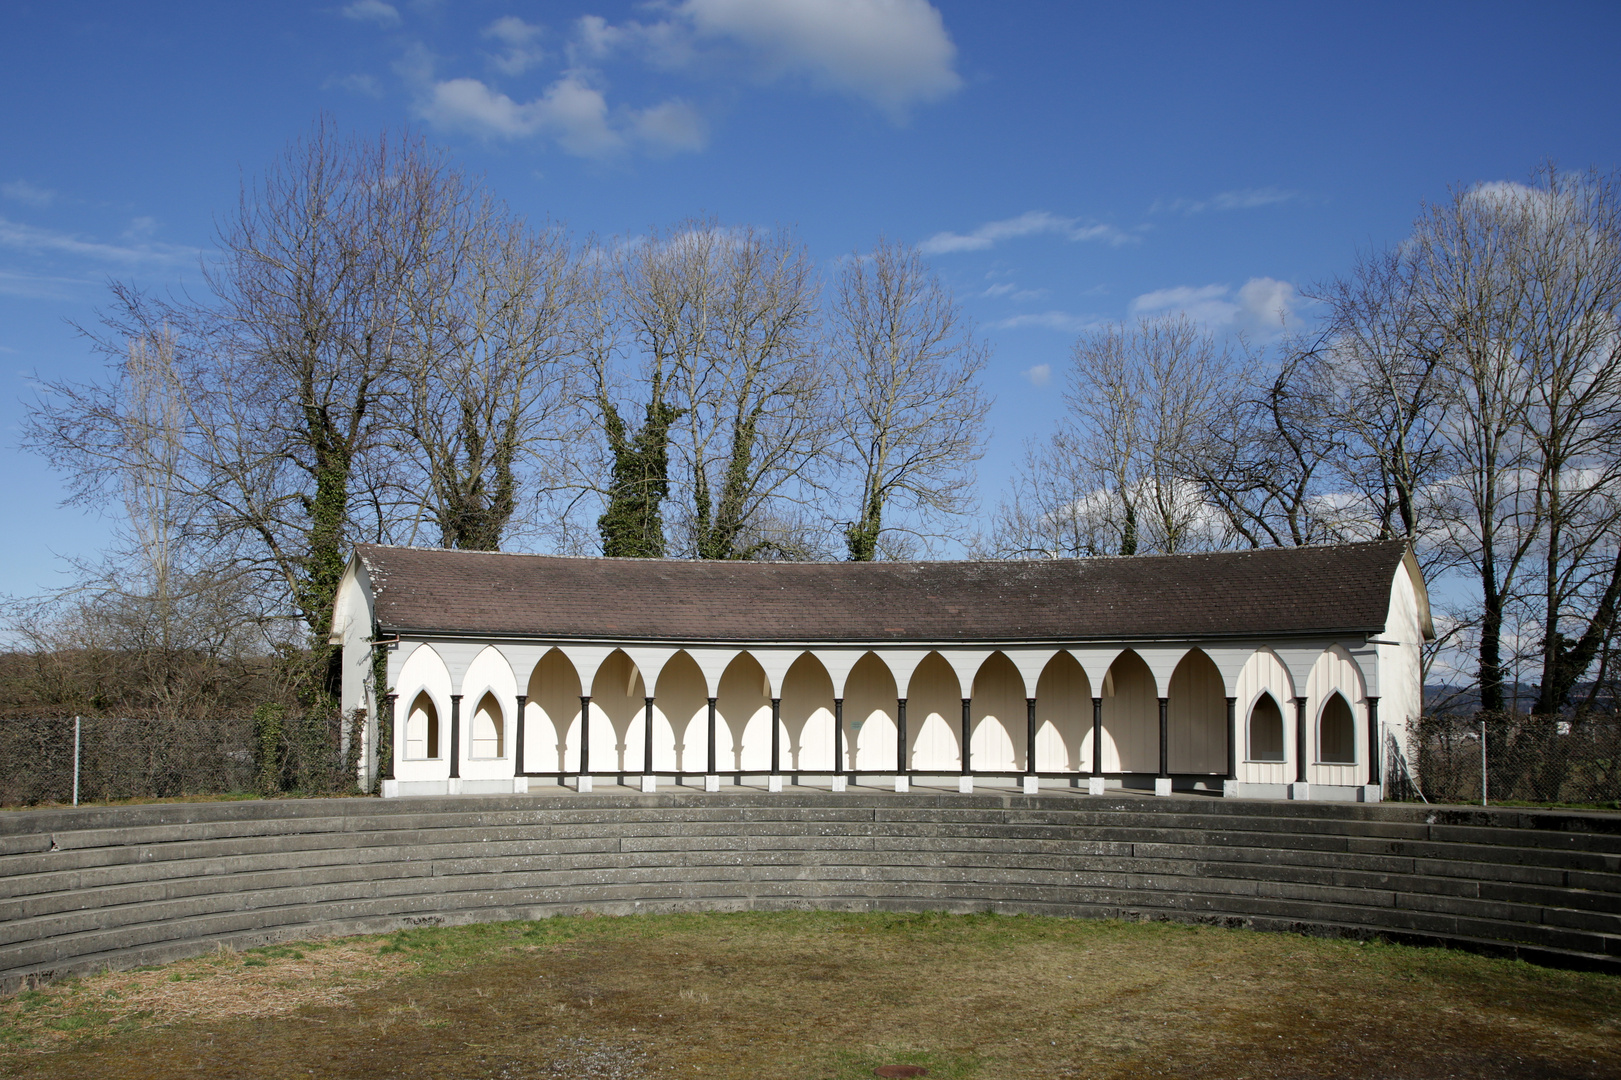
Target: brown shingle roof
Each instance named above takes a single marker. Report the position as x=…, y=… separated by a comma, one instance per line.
x=1345, y=588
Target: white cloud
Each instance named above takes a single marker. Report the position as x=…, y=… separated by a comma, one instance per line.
x=24, y=192
x=28, y=238
x=1033, y=223
x=1209, y=304
x=372, y=11
x=570, y=111
x=365, y=85
x=671, y=126
x=1040, y=375
x=522, y=41
x=1239, y=199
x=1261, y=305
x=595, y=37
x=1050, y=320
x=893, y=53
x=42, y=287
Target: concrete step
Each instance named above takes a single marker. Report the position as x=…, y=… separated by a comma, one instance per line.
x=176, y=876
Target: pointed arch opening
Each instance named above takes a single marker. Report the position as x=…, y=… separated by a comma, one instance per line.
x=1063, y=715
x=1196, y=715
x=996, y=740
x=807, y=716
x=1130, y=716
x=870, y=698
x=1265, y=729
x=743, y=720
x=489, y=734
x=422, y=729
x=616, y=708
x=682, y=694
x=934, y=716
x=551, y=714
x=1336, y=732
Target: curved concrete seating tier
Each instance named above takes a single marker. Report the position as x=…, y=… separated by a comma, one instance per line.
x=90, y=888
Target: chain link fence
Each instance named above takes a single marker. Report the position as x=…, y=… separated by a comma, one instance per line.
x=98, y=759
x=1491, y=758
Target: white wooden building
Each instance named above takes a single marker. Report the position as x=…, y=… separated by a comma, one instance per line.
x=1278, y=673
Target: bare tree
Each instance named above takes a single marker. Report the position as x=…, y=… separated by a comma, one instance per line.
x=655, y=297
x=1116, y=477
x=1264, y=456
x=911, y=413
x=754, y=431
x=1053, y=510
x=1378, y=371
x=1522, y=287
x=284, y=373
x=486, y=363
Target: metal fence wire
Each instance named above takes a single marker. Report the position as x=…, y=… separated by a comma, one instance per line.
x=1515, y=757
x=267, y=753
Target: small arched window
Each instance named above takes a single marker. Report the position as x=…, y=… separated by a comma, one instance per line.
x=1266, y=730
x=1336, y=733
x=422, y=728
x=489, y=729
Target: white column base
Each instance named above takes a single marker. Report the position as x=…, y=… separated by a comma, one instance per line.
x=965, y=785
x=840, y=783
x=650, y=784
x=520, y=785
x=391, y=789
x=1229, y=789
x=1032, y=785
x=1372, y=793
x=453, y=787
x=1095, y=785
x=711, y=784
x=1300, y=790
x=903, y=784
x=1162, y=785
x=773, y=784
x=582, y=784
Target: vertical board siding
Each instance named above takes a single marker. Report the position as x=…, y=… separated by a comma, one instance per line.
x=1265, y=673
x=1131, y=718
x=1063, y=716
x=1197, y=716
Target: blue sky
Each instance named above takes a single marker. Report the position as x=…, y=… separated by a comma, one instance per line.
x=1063, y=164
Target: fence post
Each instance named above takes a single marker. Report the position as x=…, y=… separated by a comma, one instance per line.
x=1483, y=799
x=75, y=761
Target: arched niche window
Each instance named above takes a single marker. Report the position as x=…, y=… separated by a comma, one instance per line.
x=489, y=730
x=1266, y=730
x=422, y=728
x=1336, y=733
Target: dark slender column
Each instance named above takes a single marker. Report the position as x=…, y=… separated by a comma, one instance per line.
x=900, y=732
x=585, y=734
x=647, y=736
x=967, y=730
x=1097, y=736
x=517, y=738
x=1164, y=731
x=1373, y=740
x=385, y=739
x=1030, y=735
x=776, y=735
x=1232, y=738
x=1300, y=739
x=838, y=734
x=455, y=736
x=711, y=736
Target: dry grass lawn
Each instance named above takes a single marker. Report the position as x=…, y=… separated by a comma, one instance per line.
x=821, y=995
